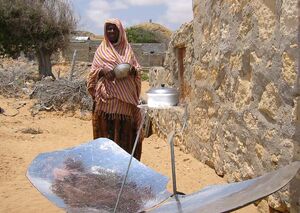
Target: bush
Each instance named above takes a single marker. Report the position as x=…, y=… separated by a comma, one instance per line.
x=144, y=76
x=138, y=35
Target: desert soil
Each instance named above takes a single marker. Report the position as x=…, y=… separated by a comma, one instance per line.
x=18, y=147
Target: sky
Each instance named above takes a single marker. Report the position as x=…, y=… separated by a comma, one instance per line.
x=170, y=13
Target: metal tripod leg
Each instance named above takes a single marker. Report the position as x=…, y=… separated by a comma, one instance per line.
x=134, y=146
x=170, y=140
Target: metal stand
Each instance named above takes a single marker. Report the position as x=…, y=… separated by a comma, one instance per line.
x=170, y=141
x=144, y=109
x=133, y=150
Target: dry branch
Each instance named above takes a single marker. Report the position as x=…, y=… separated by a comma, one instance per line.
x=15, y=83
x=62, y=94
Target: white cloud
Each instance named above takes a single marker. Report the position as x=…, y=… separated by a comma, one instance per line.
x=131, y=22
x=177, y=12
x=119, y=5
x=146, y=2
x=97, y=12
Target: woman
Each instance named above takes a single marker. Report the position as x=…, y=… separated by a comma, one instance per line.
x=115, y=112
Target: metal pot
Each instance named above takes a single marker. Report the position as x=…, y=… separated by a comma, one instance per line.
x=162, y=96
x=122, y=70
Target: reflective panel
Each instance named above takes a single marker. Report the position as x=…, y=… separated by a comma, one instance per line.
x=227, y=197
x=88, y=178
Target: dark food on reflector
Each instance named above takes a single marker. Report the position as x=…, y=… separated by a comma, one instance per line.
x=99, y=189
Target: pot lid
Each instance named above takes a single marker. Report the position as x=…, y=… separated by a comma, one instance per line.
x=162, y=90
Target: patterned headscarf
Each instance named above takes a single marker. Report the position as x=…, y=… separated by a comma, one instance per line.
x=109, y=54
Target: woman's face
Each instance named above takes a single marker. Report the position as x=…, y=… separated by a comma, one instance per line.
x=112, y=33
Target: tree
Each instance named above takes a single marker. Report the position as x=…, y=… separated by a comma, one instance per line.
x=139, y=35
x=42, y=26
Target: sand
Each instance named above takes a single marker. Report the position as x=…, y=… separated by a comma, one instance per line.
x=59, y=131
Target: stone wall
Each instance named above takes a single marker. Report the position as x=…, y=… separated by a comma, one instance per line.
x=152, y=54
x=164, y=121
x=239, y=69
x=82, y=54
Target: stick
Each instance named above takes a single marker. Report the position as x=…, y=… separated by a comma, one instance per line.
x=72, y=66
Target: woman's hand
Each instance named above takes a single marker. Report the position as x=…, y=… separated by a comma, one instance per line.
x=108, y=74
x=133, y=71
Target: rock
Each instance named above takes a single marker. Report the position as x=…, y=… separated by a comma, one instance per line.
x=263, y=207
x=275, y=203
x=270, y=102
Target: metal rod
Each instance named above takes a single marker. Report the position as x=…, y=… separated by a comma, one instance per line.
x=133, y=149
x=170, y=140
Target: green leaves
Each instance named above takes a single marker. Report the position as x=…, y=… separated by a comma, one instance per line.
x=29, y=24
x=139, y=35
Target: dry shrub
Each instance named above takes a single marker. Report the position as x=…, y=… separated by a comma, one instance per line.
x=16, y=83
x=20, y=78
x=62, y=94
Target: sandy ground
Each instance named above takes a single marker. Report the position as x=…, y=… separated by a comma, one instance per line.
x=18, y=149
